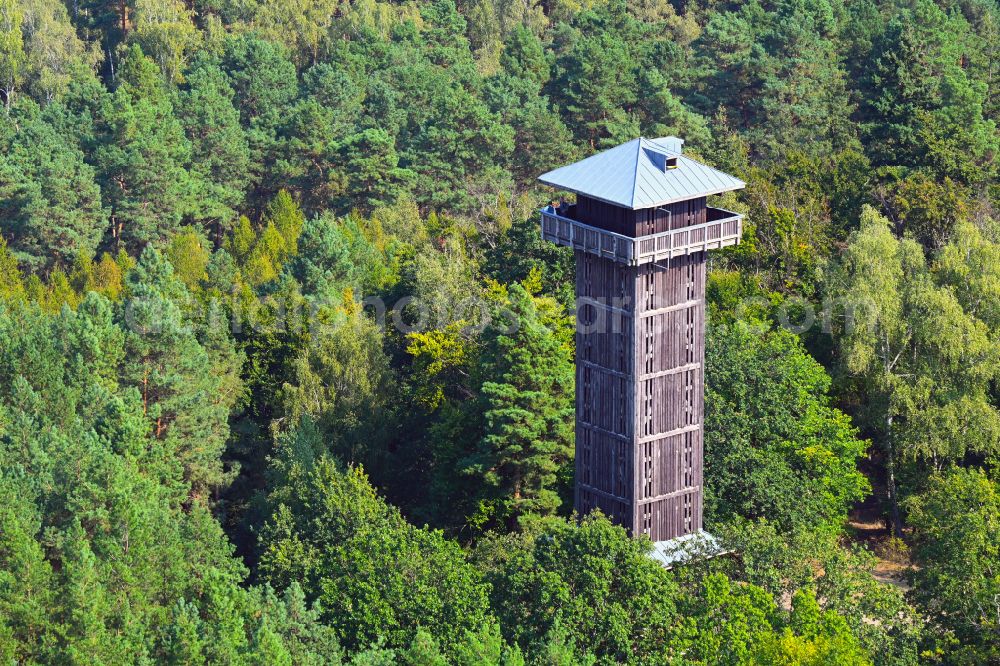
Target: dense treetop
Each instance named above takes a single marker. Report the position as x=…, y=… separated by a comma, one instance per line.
x=286, y=371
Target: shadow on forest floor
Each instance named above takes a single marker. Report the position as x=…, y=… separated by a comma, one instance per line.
x=869, y=526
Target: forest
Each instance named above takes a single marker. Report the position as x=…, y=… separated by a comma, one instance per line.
x=255, y=407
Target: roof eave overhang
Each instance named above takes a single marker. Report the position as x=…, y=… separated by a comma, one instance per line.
x=631, y=206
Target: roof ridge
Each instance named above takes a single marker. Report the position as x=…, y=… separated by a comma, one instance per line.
x=635, y=171
x=650, y=145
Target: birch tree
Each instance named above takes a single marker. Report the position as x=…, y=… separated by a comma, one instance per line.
x=924, y=363
x=12, y=57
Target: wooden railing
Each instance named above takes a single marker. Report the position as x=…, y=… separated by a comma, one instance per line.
x=725, y=230
x=579, y=236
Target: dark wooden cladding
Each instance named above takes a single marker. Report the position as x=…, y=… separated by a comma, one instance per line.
x=640, y=392
x=605, y=458
x=670, y=398
x=635, y=223
x=602, y=215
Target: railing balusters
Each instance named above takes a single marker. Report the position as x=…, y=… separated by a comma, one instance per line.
x=645, y=249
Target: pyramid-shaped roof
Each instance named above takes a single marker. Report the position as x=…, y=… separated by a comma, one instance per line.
x=642, y=174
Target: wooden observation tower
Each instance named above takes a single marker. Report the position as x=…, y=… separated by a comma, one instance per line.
x=641, y=231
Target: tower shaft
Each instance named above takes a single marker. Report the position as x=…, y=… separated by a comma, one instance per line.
x=640, y=393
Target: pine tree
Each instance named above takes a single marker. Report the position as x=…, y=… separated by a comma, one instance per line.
x=265, y=83
x=175, y=375
x=371, y=164
x=220, y=152
x=51, y=200
x=143, y=156
x=920, y=106
x=527, y=401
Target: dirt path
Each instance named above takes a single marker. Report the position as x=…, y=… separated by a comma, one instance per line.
x=869, y=526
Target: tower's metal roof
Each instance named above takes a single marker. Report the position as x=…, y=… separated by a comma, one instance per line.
x=640, y=174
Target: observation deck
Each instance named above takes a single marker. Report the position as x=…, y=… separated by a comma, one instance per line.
x=722, y=228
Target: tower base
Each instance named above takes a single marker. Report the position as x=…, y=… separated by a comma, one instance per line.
x=680, y=550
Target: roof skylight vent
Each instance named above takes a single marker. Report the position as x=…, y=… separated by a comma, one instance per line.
x=658, y=159
x=661, y=161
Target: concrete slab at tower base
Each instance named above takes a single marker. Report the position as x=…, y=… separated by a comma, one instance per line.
x=683, y=549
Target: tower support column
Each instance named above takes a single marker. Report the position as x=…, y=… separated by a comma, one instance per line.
x=640, y=393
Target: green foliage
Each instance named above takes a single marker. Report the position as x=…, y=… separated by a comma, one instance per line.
x=241, y=240
x=12, y=56
x=374, y=574
x=521, y=250
x=142, y=157
x=956, y=524
x=845, y=581
x=165, y=30
x=106, y=276
x=329, y=255
x=547, y=584
x=774, y=447
x=527, y=412
x=546, y=587
x=55, y=53
x=180, y=379
x=189, y=257
x=927, y=209
x=96, y=542
x=921, y=108
x=374, y=177
x=262, y=76
x=736, y=625
x=924, y=361
x=220, y=153
x=341, y=379
x=51, y=203
x=11, y=281
x=284, y=214
x=777, y=70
